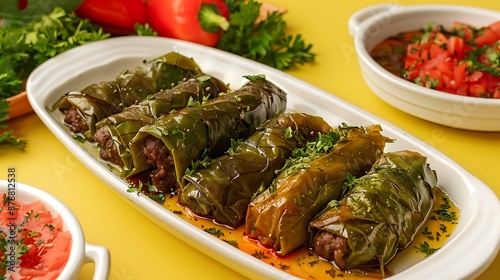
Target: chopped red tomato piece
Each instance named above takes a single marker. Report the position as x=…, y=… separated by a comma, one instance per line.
x=463, y=28
x=487, y=38
x=462, y=61
x=456, y=47
x=45, y=246
x=495, y=28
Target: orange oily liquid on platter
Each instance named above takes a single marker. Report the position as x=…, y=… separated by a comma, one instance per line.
x=306, y=264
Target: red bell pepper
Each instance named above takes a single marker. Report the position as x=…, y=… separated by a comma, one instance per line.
x=199, y=21
x=117, y=17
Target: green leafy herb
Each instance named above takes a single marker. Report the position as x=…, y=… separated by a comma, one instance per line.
x=265, y=41
x=234, y=145
x=51, y=227
x=214, y=231
x=301, y=157
x=203, y=161
x=427, y=233
x=492, y=53
x=288, y=133
x=24, y=46
x=192, y=103
x=350, y=182
x=10, y=9
x=7, y=137
x=259, y=191
x=233, y=243
x=79, y=138
x=144, y=30
x=313, y=263
x=284, y=266
x=148, y=190
x=426, y=248
x=443, y=212
x=333, y=203
x=443, y=228
x=259, y=255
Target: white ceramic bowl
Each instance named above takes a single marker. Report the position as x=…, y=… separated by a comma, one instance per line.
x=81, y=252
x=373, y=24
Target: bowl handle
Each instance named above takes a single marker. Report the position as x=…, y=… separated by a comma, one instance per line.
x=360, y=16
x=99, y=255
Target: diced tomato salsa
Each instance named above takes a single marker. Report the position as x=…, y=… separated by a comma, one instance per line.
x=33, y=244
x=461, y=60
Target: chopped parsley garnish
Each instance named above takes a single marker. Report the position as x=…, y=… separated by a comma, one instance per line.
x=443, y=212
x=284, y=266
x=51, y=227
x=426, y=248
x=192, y=103
x=313, y=263
x=203, y=162
x=233, y=243
x=428, y=233
x=333, y=203
x=301, y=157
x=259, y=255
x=232, y=148
x=79, y=138
x=147, y=189
x=443, y=228
x=214, y=231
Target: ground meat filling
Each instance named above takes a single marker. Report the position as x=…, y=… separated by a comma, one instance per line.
x=158, y=156
x=107, y=148
x=76, y=122
x=331, y=247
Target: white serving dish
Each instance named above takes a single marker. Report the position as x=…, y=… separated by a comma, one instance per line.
x=81, y=251
x=476, y=239
x=373, y=24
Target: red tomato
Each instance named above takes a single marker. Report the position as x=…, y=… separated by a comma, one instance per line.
x=495, y=28
x=459, y=74
x=464, y=28
x=114, y=16
x=488, y=37
x=456, y=47
x=496, y=94
x=47, y=247
x=477, y=89
x=437, y=50
x=31, y=258
x=449, y=63
x=180, y=19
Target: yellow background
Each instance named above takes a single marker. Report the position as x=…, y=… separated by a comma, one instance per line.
x=142, y=250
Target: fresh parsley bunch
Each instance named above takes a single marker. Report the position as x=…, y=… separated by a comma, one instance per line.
x=7, y=137
x=26, y=45
x=264, y=41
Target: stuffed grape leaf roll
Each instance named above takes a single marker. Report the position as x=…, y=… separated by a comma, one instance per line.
x=83, y=109
x=116, y=131
x=165, y=148
x=279, y=217
x=379, y=215
x=223, y=190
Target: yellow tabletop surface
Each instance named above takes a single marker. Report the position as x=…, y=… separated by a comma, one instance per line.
x=139, y=248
